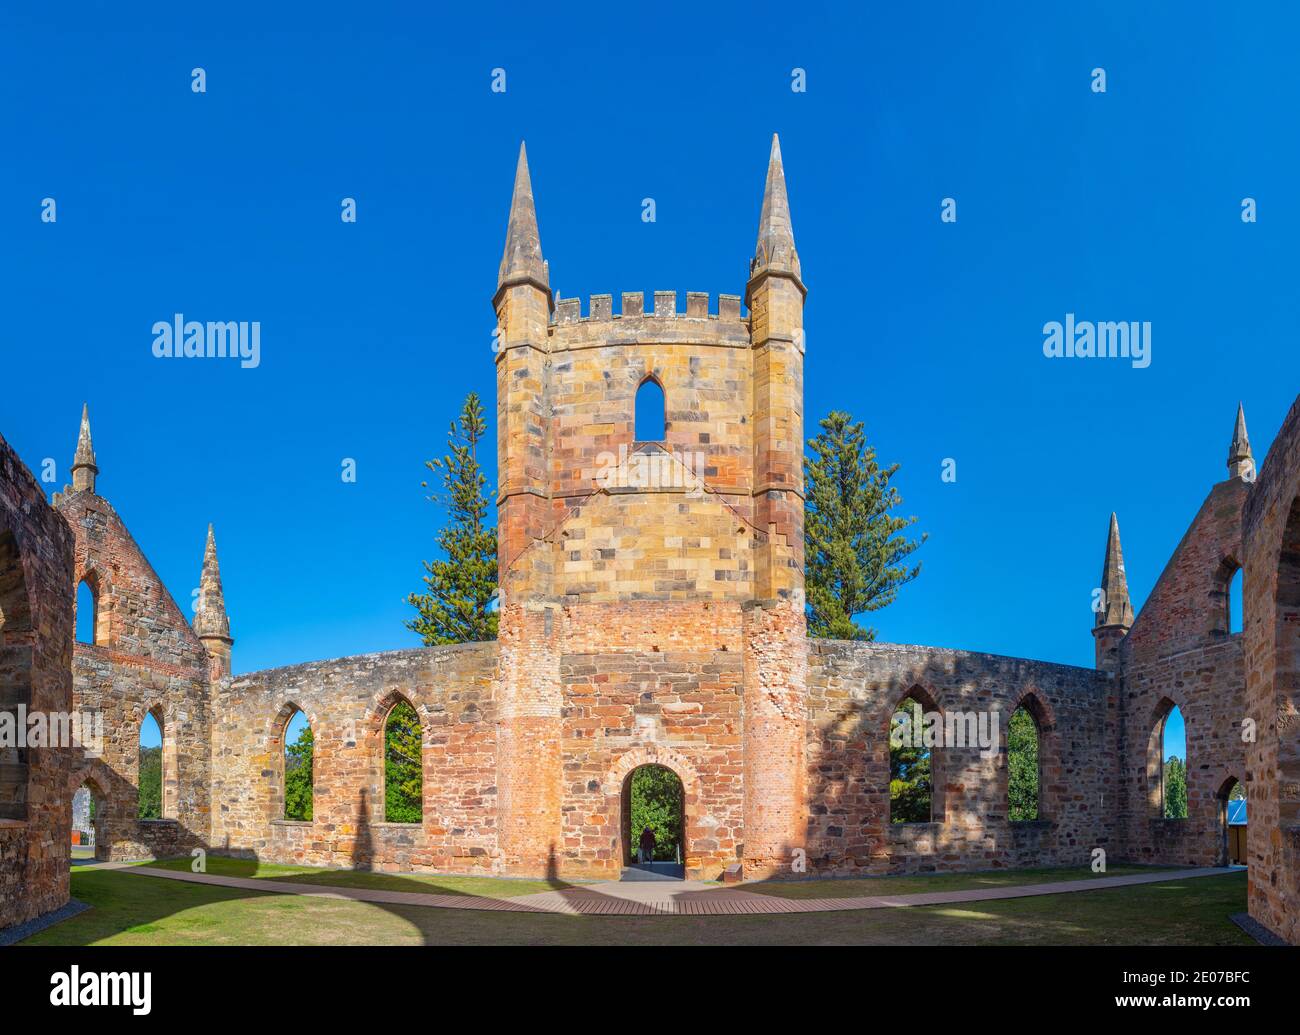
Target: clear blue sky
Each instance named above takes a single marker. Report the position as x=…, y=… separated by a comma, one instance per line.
x=1175, y=736
x=225, y=206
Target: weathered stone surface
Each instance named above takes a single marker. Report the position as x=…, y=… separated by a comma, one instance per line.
x=1272, y=664
x=853, y=690
x=347, y=702
x=36, y=632
x=145, y=659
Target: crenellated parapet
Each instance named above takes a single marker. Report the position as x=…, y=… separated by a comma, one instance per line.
x=664, y=305
x=706, y=320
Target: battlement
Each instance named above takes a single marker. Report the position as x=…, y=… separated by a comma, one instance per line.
x=600, y=308
x=726, y=326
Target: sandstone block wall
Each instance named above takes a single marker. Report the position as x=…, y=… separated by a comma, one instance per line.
x=529, y=730
x=1180, y=652
x=652, y=683
x=145, y=659
x=36, y=632
x=853, y=691
x=1272, y=634
x=347, y=702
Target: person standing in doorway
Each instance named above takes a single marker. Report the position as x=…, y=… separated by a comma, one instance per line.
x=647, y=845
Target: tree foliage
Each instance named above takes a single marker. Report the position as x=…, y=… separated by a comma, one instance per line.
x=298, y=776
x=403, y=767
x=911, y=785
x=1022, y=767
x=1175, y=788
x=657, y=803
x=854, y=551
x=150, y=782
x=455, y=607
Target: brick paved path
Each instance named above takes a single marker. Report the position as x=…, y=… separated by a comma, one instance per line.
x=683, y=898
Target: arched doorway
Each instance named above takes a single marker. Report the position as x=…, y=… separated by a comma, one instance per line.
x=653, y=799
x=1232, y=823
x=89, y=824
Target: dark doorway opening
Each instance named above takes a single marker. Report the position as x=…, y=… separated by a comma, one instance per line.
x=653, y=800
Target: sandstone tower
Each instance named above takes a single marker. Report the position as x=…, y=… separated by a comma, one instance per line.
x=691, y=589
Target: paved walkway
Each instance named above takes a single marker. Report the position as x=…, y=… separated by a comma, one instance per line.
x=681, y=898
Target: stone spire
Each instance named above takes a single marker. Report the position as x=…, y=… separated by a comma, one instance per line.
x=1114, y=609
x=211, y=624
x=1241, y=462
x=775, y=251
x=83, y=461
x=522, y=261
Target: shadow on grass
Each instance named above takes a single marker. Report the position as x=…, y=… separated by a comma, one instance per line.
x=137, y=909
x=886, y=884
x=417, y=883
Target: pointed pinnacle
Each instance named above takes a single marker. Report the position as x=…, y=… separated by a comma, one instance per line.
x=1116, y=607
x=211, y=618
x=1241, y=461
x=85, y=455
x=522, y=259
x=775, y=248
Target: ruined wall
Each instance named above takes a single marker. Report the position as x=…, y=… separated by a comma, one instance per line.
x=1272, y=634
x=36, y=633
x=853, y=690
x=347, y=702
x=1179, y=652
x=145, y=658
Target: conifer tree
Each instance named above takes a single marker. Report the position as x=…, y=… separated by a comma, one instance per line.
x=854, y=549
x=150, y=783
x=1175, y=788
x=403, y=767
x=460, y=587
x=1022, y=767
x=911, y=782
x=298, y=784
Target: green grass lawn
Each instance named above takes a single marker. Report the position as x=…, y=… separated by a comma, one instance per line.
x=486, y=887
x=851, y=887
x=497, y=887
x=131, y=909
